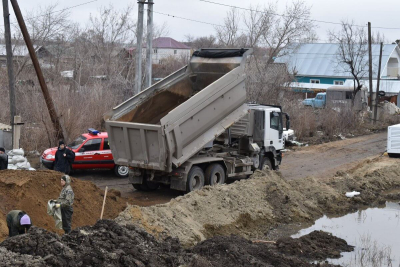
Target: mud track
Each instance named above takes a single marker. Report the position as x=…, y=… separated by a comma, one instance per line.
x=323, y=161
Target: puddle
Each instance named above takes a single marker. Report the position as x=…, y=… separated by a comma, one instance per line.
x=375, y=233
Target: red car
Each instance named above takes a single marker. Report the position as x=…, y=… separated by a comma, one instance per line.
x=92, y=151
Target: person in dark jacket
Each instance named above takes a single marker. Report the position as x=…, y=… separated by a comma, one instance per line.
x=62, y=158
x=65, y=201
x=18, y=222
x=3, y=159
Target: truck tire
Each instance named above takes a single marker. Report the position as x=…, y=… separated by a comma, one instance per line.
x=266, y=164
x=138, y=187
x=121, y=171
x=195, y=179
x=146, y=185
x=215, y=174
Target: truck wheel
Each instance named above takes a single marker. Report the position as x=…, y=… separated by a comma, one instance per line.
x=138, y=187
x=266, y=164
x=195, y=179
x=121, y=171
x=215, y=174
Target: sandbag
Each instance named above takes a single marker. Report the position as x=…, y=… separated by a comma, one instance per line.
x=16, y=152
x=11, y=167
x=17, y=159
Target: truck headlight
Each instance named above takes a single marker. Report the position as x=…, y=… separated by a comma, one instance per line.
x=50, y=156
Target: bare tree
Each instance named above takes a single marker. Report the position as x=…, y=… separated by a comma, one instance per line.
x=228, y=33
x=352, y=52
x=269, y=31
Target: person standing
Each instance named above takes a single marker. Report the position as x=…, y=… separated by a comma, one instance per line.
x=18, y=222
x=63, y=158
x=3, y=159
x=65, y=202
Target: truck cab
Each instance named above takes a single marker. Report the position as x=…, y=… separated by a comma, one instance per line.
x=318, y=102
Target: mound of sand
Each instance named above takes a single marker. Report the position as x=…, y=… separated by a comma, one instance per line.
x=249, y=208
x=30, y=191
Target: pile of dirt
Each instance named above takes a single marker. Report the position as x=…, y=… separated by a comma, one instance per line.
x=31, y=190
x=104, y=244
x=251, y=208
x=317, y=245
x=9, y=258
x=110, y=244
x=237, y=251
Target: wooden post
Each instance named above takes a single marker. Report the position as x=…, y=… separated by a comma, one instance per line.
x=104, y=203
x=370, y=65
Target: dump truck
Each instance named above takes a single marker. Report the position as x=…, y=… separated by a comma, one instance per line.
x=194, y=127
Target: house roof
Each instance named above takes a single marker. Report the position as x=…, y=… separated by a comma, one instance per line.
x=320, y=60
x=167, y=42
x=18, y=50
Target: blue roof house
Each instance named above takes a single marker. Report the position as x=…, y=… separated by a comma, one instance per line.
x=316, y=66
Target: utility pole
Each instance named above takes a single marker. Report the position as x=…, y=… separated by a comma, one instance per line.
x=377, y=85
x=149, y=50
x=10, y=67
x=370, y=65
x=39, y=73
x=139, y=45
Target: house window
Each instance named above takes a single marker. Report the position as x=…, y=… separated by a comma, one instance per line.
x=338, y=82
x=175, y=52
x=155, y=51
x=349, y=95
x=314, y=81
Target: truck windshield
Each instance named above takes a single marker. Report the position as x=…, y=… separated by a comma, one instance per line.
x=78, y=141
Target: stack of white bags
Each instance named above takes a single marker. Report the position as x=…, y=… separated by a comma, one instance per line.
x=17, y=161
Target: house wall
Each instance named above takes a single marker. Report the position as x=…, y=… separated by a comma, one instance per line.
x=392, y=68
x=323, y=80
x=162, y=53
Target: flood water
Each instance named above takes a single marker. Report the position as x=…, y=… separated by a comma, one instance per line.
x=375, y=233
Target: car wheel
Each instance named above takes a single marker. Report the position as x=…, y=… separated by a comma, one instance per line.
x=195, y=179
x=121, y=171
x=215, y=174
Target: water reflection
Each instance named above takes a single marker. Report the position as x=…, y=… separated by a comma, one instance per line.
x=375, y=232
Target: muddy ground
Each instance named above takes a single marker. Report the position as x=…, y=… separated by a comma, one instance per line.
x=252, y=208
x=109, y=244
x=323, y=160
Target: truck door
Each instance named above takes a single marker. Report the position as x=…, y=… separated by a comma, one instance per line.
x=274, y=130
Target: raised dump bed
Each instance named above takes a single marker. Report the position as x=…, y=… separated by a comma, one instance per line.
x=169, y=122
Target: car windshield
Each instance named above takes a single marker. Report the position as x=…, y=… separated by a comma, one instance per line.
x=78, y=141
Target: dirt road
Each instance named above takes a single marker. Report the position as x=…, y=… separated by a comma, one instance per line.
x=325, y=160
x=320, y=161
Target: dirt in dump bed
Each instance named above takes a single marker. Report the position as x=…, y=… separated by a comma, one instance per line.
x=31, y=190
x=110, y=244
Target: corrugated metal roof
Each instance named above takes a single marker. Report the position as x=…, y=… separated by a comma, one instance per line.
x=320, y=60
x=389, y=86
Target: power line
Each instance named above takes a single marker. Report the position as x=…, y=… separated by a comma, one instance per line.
x=198, y=21
x=319, y=21
x=57, y=11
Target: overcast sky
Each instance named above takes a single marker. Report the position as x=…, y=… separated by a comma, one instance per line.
x=383, y=13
